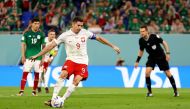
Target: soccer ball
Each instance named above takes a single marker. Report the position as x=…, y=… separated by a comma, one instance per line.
x=57, y=102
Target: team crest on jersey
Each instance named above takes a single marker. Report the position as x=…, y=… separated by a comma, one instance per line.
x=38, y=36
x=154, y=47
x=82, y=39
x=29, y=36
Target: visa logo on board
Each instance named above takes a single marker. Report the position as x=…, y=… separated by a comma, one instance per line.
x=129, y=81
x=134, y=78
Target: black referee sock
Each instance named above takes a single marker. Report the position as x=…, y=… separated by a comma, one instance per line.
x=148, y=84
x=172, y=81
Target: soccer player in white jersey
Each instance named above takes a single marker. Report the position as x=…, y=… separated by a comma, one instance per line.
x=75, y=41
x=48, y=58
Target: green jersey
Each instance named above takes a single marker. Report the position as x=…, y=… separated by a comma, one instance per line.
x=34, y=42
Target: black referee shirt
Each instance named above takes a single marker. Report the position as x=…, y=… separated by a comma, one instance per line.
x=152, y=46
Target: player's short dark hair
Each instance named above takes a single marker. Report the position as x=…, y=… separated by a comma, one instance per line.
x=51, y=30
x=35, y=20
x=78, y=19
x=144, y=26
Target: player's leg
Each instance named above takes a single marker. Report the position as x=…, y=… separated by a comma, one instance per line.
x=172, y=81
x=58, y=86
x=164, y=65
x=46, y=83
x=40, y=82
x=40, y=79
x=80, y=73
x=72, y=87
x=26, y=69
x=148, y=80
x=36, y=76
x=46, y=64
x=67, y=70
x=149, y=67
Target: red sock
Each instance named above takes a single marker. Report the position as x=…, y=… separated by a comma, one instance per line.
x=36, y=78
x=23, y=81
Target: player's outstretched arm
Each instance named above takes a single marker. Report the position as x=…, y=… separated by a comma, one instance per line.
x=45, y=50
x=106, y=42
x=140, y=54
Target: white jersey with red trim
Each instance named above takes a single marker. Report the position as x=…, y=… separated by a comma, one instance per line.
x=76, y=45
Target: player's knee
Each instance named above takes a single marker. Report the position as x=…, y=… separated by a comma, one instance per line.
x=63, y=75
x=168, y=74
x=75, y=82
x=147, y=74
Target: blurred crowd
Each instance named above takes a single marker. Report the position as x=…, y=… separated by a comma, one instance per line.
x=100, y=16
x=126, y=16
x=15, y=15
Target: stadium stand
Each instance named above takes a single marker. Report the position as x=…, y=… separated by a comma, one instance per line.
x=168, y=15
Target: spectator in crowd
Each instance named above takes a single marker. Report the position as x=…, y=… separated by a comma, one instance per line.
x=134, y=25
x=3, y=25
x=146, y=18
x=3, y=10
x=159, y=17
x=110, y=25
x=152, y=27
x=26, y=5
x=165, y=27
x=142, y=5
x=134, y=13
x=120, y=27
x=18, y=28
x=102, y=19
x=183, y=9
x=94, y=27
x=177, y=27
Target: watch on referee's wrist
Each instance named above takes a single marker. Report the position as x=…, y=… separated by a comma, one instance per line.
x=167, y=52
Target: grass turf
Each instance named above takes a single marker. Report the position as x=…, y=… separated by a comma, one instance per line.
x=98, y=98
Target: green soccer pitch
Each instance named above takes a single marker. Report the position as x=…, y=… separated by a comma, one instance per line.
x=98, y=98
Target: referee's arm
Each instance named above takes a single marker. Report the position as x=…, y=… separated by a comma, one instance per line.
x=167, y=50
x=166, y=47
x=140, y=54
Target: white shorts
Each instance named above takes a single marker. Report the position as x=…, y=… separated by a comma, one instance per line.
x=28, y=65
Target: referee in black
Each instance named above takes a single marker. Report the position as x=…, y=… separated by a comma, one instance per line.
x=151, y=43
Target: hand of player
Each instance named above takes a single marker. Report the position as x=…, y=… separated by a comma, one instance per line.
x=23, y=59
x=33, y=58
x=116, y=49
x=136, y=64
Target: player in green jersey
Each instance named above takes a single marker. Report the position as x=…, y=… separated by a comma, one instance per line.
x=32, y=43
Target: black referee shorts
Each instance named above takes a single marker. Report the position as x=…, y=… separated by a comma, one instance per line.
x=160, y=61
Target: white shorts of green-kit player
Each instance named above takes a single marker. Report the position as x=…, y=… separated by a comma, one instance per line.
x=28, y=65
